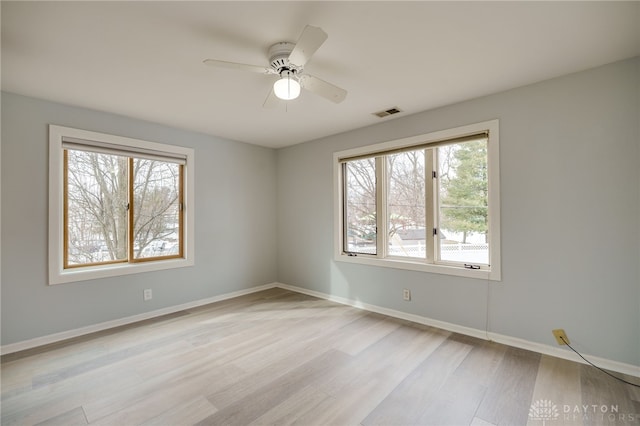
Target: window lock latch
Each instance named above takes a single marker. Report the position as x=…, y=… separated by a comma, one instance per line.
x=468, y=266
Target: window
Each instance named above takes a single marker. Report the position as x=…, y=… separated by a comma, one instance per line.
x=427, y=203
x=360, y=206
x=117, y=205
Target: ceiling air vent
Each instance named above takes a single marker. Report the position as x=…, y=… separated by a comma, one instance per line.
x=387, y=112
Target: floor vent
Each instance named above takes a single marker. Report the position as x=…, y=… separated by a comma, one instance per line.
x=387, y=112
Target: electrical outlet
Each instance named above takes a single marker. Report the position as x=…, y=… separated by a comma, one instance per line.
x=561, y=336
x=406, y=294
x=147, y=294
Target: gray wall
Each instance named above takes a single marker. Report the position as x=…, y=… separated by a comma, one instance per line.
x=235, y=217
x=570, y=193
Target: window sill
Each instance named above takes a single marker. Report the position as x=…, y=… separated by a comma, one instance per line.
x=409, y=265
x=114, y=270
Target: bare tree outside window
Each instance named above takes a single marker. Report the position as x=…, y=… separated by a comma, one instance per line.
x=156, y=214
x=406, y=204
x=360, y=206
x=104, y=224
x=96, y=207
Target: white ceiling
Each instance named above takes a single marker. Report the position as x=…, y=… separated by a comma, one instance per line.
x=144, y=59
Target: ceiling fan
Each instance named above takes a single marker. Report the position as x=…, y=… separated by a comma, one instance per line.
x=288, y=60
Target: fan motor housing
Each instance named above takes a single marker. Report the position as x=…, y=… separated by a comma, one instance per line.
x=279, y=56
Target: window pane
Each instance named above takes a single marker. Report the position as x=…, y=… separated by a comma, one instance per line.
x=96, y=213
x=360, y=206
x=463, y=204
x=406, y=204
x=156, y=209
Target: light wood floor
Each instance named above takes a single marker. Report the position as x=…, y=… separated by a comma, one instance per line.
x=277, y=357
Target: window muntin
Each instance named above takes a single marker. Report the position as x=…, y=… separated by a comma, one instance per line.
x=438, y=240
x=78, y=249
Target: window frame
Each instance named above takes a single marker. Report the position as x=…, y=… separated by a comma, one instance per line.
x=491, y=272
x=58, y=136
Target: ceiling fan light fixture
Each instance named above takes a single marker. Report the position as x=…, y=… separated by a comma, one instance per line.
x=287, y=87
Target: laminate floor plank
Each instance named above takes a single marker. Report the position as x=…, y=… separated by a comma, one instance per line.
x=274, y=361
x=202, y=375
x=289, y=411
x=477, y=421
x=73, y=417
x=457, y=401
x=44, y=362
x=508, y=397
x=246, y=410
x=379, y=327
x=391, y=358
x=47, y=402
x=634, y=392
x=605, y=401
x=352, y=404
x=482, y=362
x=372, y=375
x=247, y=343
x=558, y=384
x=186, y=413
x=182, y=356
x=409, y=401
x=57, y=375
x=158, y=342
x=150, y=329
x=15, y=381
x=306, y=337
x=455, y=404
x=173, y=394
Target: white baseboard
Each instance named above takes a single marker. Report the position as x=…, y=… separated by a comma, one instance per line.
x=607, y=364
x=58, y=337
x=558, y=352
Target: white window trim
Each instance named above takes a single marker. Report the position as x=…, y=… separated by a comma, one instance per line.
x=57, y=273
x=493, y=161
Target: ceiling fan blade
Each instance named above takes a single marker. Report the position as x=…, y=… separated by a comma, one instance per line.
x=322, y=88
x=310, y=40
x=237, y=66
x=272, y=100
